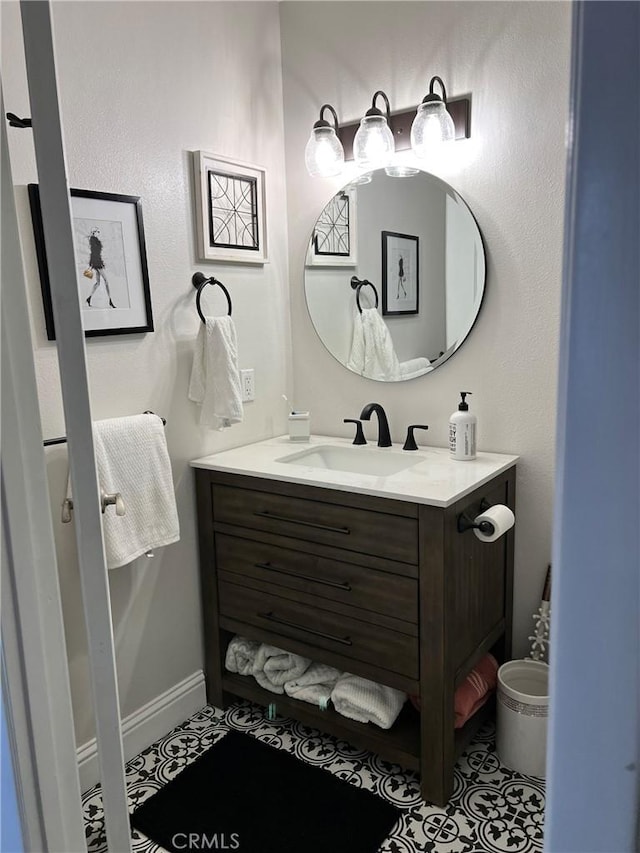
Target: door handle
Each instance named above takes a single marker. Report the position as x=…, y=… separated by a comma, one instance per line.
x=112, y=500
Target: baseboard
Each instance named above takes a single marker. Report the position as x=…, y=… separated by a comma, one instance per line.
x=147, y=724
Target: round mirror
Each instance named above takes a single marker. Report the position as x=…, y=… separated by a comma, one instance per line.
x=394, y=275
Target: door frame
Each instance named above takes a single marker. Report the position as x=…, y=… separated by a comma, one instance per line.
x=35, y=675
x=38, y=39
x=594, y=724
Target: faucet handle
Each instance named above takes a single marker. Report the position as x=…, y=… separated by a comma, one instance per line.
x=359, y=439
x=410, y=442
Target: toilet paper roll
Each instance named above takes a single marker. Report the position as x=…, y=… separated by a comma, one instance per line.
x=502, y=519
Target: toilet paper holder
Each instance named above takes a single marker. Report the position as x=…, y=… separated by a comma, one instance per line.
x=465, y=522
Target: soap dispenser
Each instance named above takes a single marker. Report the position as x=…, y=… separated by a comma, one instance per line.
x=462, y=431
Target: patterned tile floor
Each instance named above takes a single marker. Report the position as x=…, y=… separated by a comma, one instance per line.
x=493, y=810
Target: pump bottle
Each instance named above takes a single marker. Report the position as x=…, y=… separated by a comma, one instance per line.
x=462, y=432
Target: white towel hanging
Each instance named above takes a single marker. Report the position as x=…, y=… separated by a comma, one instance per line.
x=215, y=378
x=132, y=459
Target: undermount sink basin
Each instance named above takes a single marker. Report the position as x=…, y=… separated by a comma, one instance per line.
x=355, y=460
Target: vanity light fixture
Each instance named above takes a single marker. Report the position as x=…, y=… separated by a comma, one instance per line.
x=373, y=145
x=324, y=155
x=432, y=123
x=373, y=141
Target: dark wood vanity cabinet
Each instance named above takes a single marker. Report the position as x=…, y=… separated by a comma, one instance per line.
x=386, y=589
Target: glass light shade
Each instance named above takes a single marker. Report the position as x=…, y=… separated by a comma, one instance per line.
x=364, y=178
x=324, y=155
x=373, y=145
x=432, y=125
x=400, y=171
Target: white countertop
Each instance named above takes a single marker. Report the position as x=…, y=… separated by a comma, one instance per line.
x=436, y=480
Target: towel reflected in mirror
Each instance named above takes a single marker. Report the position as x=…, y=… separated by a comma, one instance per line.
x=373, y=354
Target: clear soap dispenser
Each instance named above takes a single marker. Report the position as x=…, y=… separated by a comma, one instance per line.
x=462, y=431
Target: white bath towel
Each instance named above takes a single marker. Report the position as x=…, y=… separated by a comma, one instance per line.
x=368, y=702
x=215, y=378
x=414, y=367
x=241, y=654
x=132, y=459
x=314, y=685
x=372, y=352
x=272, y=667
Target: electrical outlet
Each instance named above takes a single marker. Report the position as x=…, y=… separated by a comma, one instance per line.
x=248, y=384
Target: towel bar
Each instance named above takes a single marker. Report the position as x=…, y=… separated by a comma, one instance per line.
x=63, y=438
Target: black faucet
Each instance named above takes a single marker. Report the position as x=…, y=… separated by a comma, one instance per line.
x=384, y=438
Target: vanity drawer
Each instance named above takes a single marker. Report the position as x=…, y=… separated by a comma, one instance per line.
x=358, y=586
x=324, y=629
x=368, y=532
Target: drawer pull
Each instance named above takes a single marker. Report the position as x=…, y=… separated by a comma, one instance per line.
x=274, y=517
x=346, y=641
x=345, y=585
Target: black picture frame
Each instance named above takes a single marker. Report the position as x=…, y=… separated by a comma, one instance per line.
x=400, y=268
x=129, y=254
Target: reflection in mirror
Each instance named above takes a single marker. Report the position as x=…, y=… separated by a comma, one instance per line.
x=395, y=275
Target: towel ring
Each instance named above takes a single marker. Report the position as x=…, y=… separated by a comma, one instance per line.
x=200, y=281
x=357, y=284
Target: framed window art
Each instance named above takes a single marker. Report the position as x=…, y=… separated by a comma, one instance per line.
x=111, y=263
x=400, y=274
x=231, y=217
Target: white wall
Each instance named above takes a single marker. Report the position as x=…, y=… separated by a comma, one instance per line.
x=514, y=60
x=141, y=85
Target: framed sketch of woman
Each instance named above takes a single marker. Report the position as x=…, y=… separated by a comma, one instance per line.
x=111, y=262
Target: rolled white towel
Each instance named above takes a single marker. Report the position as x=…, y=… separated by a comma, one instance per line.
x=368, y=702
x=241, y=654
x=314, y=685
x=272, y=667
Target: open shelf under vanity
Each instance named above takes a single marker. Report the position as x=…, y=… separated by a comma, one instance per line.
x=399, y=745
x=404, y=599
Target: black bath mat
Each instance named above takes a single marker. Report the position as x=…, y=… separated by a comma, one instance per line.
x=247, y=796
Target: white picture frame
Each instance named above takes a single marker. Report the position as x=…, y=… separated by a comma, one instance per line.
x=231, y=217
x=334, y=241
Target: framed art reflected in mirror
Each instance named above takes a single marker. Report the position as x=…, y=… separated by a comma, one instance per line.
x=111, y=263
x=335, y=236
x=400, y=274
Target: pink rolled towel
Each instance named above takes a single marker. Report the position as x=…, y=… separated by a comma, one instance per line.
x=474, y=691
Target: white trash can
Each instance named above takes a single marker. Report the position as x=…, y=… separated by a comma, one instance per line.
x=523, y=708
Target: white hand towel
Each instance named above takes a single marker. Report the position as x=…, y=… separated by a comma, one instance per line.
x=241, y=655
x=273, y=667
x=314, y=685
x=367, y=702
x=132, y=458
x=215, y=378
x=372, y=352
x=356, y=356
